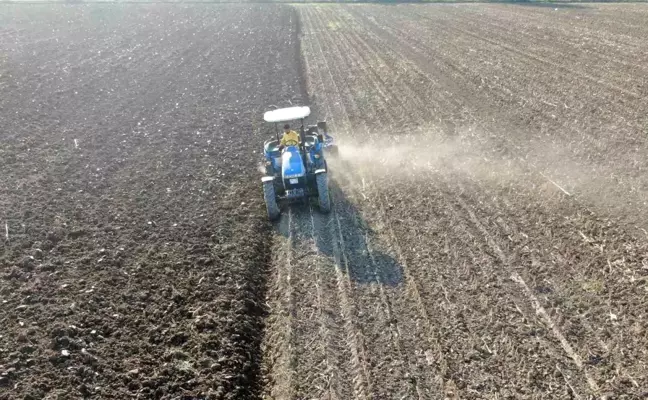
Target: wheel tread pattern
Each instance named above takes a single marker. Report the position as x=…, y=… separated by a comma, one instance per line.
x=271, y=200
x=323, y=193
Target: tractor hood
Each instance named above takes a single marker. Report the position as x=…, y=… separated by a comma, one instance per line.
x=292, y=165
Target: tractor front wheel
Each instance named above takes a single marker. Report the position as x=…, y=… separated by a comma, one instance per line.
x=271, y=200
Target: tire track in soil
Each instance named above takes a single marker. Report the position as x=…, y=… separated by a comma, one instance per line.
x=355, y=340
x=310, y=360
x=600, y=348
x=335, y=371
x=344, y=258
x=579, y=317
x=278, y=343
x=324, y=347
x=565, y=345
x=392, y=237
x=408, y=373
x=392, y=123
x=355, y=337
x=394, y=240
x=593, y=339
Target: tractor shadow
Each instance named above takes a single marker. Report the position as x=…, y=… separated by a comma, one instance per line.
x=343, y=237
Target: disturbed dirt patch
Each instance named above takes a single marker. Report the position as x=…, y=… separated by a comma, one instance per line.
x=135, y=264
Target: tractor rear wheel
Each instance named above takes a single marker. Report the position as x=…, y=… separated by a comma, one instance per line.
x=271, y=200
x=323, y=192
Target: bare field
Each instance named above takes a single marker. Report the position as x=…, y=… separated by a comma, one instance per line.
x=488, y=234
x=137, y=250
x=487, y=240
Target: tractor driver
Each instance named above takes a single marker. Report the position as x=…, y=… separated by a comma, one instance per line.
x=289, y=138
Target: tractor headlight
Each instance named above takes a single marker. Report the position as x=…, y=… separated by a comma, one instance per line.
x=317, y=156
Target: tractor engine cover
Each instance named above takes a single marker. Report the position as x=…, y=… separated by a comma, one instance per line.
x=292, y=166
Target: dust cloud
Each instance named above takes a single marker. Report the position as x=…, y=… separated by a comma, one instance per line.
x=424, y=159
x=544, y=168
x=261, y=167
x=426, y=156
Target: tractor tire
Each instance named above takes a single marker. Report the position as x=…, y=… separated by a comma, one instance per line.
x=323, y=193
x=271, y=201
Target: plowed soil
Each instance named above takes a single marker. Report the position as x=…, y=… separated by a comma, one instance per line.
x=488, y=232
x=135, y=264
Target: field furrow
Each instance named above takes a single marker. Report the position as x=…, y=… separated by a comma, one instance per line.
x=488, y=235
x=488, y=313
x=409, y=296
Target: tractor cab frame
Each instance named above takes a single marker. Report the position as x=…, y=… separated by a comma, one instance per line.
x=297, y=171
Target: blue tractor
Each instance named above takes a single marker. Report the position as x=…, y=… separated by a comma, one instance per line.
x=298, y=171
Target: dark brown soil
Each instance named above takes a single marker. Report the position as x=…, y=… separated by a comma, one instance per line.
x=135, y=264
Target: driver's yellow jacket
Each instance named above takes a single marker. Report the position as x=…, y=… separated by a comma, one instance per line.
x=290, y=138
